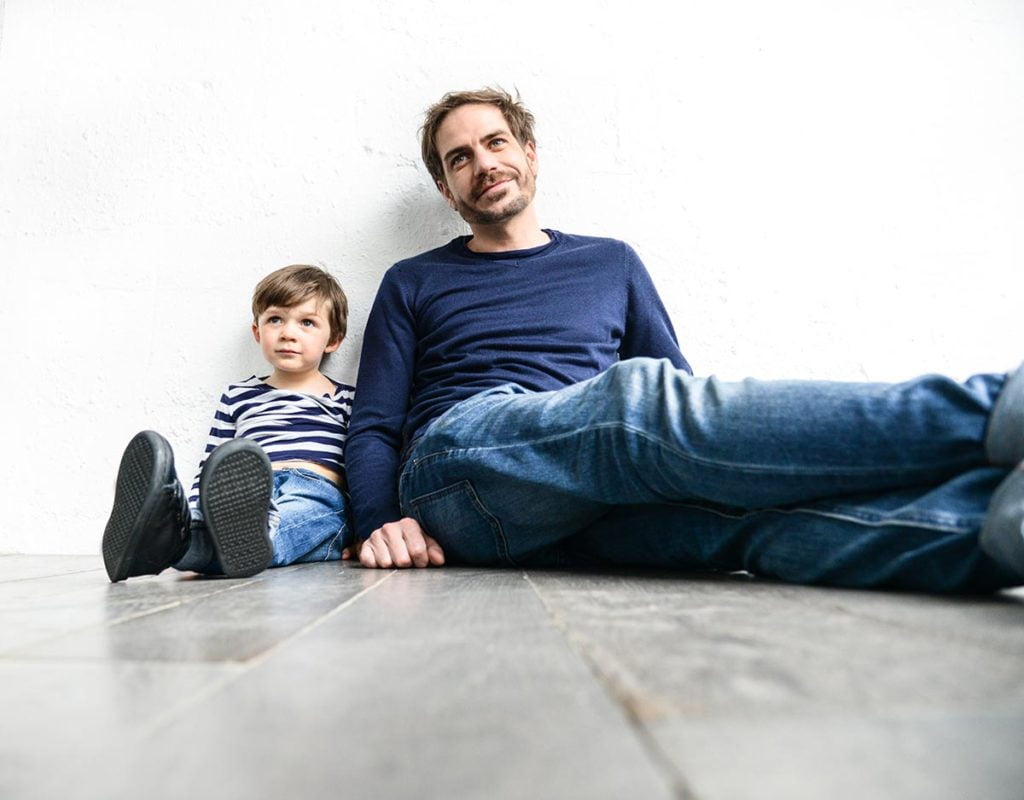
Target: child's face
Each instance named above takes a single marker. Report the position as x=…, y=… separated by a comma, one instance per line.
x=294, y=338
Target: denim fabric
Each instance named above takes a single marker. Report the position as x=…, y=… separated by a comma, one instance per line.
x=815, y=482
x=308, y=521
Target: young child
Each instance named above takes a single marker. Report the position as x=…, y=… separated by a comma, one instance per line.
x=270, y=488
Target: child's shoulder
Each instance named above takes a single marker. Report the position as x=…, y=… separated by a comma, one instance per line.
x=343, y=392
x=251, y=385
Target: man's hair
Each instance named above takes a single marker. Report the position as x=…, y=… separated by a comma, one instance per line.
x=289, y=286
x=519, y=119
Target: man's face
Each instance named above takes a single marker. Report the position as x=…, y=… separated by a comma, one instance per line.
x=489, y=177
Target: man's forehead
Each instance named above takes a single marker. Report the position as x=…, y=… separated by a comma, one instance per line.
x=472, y=119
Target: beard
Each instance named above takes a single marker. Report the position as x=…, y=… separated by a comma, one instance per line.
x=491, y=216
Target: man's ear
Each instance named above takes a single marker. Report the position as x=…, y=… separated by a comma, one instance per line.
x=256, y=332
x=334, y=345
x=531, y=157
x=442, y=187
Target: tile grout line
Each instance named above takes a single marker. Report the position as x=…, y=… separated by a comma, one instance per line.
x=921, y=630
x=237, y=669
x=51, y=575
x=259, y=658
x=13, y=653
x=578, y=644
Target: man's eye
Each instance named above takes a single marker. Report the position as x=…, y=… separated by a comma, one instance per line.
x=498, y=142
x=456, y=160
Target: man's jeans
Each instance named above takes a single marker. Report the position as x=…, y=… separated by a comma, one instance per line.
x=813, y=482
x=308, y=521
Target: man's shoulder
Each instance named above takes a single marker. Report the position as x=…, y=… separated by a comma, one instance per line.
x=409, y=272
x=573, y=240
x=444, y=254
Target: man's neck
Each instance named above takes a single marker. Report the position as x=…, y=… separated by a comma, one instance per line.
x=519, y=233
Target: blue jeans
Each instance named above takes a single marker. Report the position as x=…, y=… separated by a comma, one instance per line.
x=813, y=482
x=308, y=521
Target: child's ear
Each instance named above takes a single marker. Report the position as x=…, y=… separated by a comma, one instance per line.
x=334, y=345
x=256, y=332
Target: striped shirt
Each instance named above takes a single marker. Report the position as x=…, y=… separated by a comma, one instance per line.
x=288, y=425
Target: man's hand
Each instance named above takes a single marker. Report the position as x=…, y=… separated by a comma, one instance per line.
x=400, y=544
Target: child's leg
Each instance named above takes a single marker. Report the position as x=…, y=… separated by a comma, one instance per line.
x=148, y=526
x=308, y=518
x=201, y=556
x=234, y=498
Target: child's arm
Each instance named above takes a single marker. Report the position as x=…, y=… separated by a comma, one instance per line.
x=223, y=429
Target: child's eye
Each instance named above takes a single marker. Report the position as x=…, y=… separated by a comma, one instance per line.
x=273, y=319
x=308, y=323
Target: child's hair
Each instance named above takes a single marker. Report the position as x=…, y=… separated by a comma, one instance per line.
x=289, y=286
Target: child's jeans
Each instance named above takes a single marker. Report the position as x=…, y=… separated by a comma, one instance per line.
x=308, y=521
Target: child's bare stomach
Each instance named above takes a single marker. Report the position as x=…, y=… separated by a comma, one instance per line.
x=320, y=469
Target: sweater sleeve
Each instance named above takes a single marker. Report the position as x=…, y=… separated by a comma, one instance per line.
x=649, y=330
x=222, y=429
x=376, y=431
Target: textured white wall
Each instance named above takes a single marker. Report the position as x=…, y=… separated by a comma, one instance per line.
x=822, y=189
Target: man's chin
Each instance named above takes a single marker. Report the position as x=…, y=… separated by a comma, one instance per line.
x=493, y=216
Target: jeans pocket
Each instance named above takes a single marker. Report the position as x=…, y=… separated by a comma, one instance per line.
x=468, y=532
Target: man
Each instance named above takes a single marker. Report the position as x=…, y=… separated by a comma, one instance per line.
x=523, y=400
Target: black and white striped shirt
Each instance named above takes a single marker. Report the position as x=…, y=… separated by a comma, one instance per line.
x=288, y=425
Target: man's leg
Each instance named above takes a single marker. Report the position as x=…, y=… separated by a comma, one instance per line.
x=526, y=470
x=921, y=540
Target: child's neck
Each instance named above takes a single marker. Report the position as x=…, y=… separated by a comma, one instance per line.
x=314, y=382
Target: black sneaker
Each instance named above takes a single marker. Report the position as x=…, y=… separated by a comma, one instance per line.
x=149, y=526
x=234, y=497
x=1002, y=533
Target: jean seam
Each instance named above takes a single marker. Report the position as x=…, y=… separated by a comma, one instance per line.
x=497, y=532
x=307, y=520
x=330, y=547
x=866, y=520
x=736, y=467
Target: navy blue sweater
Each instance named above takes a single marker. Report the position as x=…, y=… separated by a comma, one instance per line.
x=449, y=323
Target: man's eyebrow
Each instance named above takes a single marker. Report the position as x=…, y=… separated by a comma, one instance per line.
x=464, y=148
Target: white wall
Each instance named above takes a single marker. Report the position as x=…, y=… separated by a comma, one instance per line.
x=821, y=188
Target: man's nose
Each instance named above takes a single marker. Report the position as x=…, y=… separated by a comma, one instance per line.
x=485, y=160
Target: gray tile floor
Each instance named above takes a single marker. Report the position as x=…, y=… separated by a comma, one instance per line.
x=333, y=681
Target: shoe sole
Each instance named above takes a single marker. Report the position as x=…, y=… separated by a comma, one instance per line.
x=234, y=496
x=146, y=466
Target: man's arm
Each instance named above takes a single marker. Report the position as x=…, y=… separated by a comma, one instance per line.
x=649, y=330
x=375, y=437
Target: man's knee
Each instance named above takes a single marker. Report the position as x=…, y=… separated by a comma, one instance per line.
x=638, y=378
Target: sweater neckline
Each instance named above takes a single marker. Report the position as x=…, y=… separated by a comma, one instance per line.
x=460, y=245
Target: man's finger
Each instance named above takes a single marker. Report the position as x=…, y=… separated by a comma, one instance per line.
x=416, y=545
x=392, y=537
x=435, y=554
x=366, y=555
